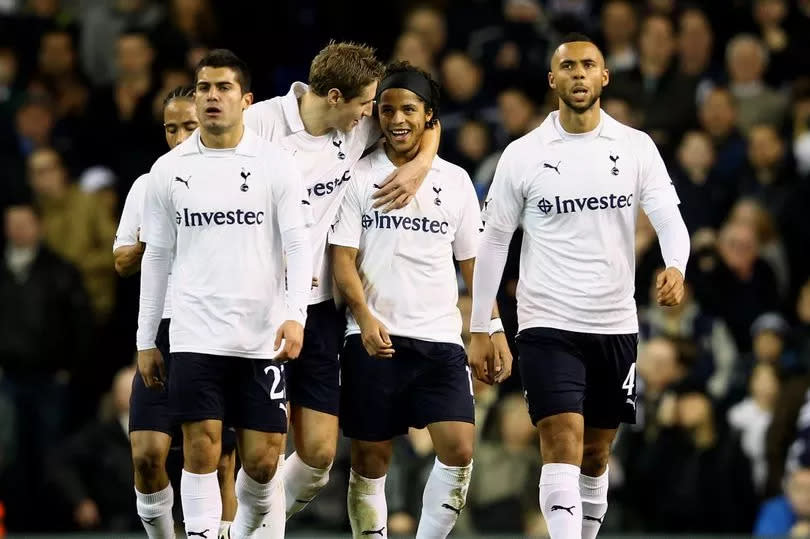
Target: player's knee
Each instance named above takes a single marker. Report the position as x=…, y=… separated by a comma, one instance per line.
x=260, y=463
x=201, y=452
x=148, y=462
x=560, y=439
x=321, y=456
x=371, y=462
x=595, y=459
x=457, y=453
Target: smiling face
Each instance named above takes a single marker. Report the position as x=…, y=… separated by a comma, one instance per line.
x=578, y=75
x=219, y=99
x=402, y=119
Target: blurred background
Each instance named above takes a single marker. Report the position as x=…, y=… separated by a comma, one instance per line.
x=723, y=87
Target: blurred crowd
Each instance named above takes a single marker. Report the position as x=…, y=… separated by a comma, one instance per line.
x=722, y=442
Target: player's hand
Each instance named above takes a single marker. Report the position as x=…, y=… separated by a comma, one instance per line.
x=480, y=355
x=399, y=188
x=501, y=357
x=375, y=338
x=152, y=368
x=291, y=333
x=87, y=514
x=669, y=287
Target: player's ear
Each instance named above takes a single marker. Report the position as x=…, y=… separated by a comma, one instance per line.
x=428, y=116
x=605, y=77
x=333, y=96
x=551, y=82
x=247, y=100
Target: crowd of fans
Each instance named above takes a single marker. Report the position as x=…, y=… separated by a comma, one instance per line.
x=722, y=441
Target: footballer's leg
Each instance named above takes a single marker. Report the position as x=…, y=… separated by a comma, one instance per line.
x=314, y=393
x=226, y=473
x=368, y=509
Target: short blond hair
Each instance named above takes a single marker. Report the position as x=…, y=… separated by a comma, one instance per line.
x=347, y=66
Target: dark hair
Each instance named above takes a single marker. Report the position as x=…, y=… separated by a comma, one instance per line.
x=226, y=58
x=347, y=66
x=435, y=91
x=136, y=31
x=181, y=92
x=574, y=37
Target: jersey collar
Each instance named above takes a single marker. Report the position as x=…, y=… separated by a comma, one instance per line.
x=289, y=104
x=548, y=132
x=248, y=146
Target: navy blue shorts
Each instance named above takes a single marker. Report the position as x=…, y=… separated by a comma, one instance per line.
x=149, y=408
x=313, y=380
x=425, y=382
x=586, y=373
x=243, y=393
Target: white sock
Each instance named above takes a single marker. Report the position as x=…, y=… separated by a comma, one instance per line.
x=274, y=523
x=202, y=505
x=224, y=528
x=155, y=511
x=593, y=491
x=302, y=483
x=368, y=511
x=443, y=499
x=560, y=501
x=253, y=504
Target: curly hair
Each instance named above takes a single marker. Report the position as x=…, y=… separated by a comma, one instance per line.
x=435, y=90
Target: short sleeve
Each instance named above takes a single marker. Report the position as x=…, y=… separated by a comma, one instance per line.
x=348, y=225
x=132, y=215
x=503, y=205
x=465, y=243
x=656, y=187
x=158, y=227
x=290, y=200
x=259, y=118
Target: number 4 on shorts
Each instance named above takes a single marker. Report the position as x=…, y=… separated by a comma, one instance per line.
x=630, y=380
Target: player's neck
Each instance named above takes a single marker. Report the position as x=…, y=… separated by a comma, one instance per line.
x=221, y=141
x=314, y=114
x=398, y=158
x=579, y=122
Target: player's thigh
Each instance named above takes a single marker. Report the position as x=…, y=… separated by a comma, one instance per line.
x=197, y=387
x=315, y=435
x=255, y=395
x=313, y=380
x=552, y=370
x=453, y=442
x=371, y=459
x=371, y=397
x=258, y=452
x=441, y=395
x=610, y=397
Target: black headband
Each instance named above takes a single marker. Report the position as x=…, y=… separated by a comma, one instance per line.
x=409, y=80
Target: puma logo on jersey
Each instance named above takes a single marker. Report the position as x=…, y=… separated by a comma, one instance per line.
x=556, y=167
x=453, y=509
x=374, y=532
x=570, y=510
x=181, y=180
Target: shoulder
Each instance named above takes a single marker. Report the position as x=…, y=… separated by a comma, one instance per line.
x=171, y=158
x=139, y=185
x=638, y=141
x=264, y=111
x=451, y=171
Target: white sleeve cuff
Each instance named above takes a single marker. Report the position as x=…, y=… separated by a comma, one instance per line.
x=155, y=267
x=299, y=273
x=492, y=253
x=673, y=237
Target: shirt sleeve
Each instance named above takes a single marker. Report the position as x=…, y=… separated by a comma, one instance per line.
x=348, y=225
x=131, y=216
x=158, y=225
x=503, y=205
x=290, y=200
x=656, y=187
x=465, y=243
x=259, y=118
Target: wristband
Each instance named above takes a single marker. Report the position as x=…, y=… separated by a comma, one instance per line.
x=495, y=326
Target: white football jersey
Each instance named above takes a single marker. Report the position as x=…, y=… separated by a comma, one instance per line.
x=325, y=163
x=222, y=213
x=405, y=257
x=131, y=219
x=576, y=196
